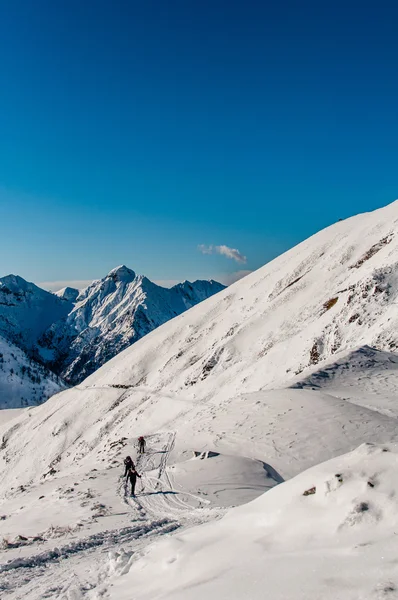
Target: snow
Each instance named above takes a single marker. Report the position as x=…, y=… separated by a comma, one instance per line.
x=72, y=333
x=70, y=516
x=8, y=414
x=344, y=378
x=238, y=340
x=337, y=542
x=115, y=312
x=26, y=311
x=226, y=480
x=272, y=466
x=68, y=293
x=122, y=273
x=23, y=382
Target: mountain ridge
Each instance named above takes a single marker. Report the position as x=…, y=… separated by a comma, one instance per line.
x=318, y=296
x=72, y=333
x=231, y=380
x=110, y=315
x=255, y=337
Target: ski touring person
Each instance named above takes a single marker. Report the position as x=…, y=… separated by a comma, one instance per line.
x=128, y=461
x=141, y=444
x=130, y=473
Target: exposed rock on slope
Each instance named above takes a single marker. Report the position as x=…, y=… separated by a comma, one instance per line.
x=338, y=542
x=219, y=377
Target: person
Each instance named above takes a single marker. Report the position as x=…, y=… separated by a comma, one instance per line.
x=130, y=473
x=141, y=444
x=128, y=461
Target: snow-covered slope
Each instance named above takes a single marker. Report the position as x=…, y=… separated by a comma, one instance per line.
x=74, y=333
x=200, y=374
x=241, y=375
x=332, y=293
x=366, y=376
x=110, y=315
x=339, y=541
x=68, y=293
x=24, y=382
x=26, y=311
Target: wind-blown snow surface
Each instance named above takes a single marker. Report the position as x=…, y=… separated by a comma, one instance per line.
x=240, y=375
x=366, y=376
x=339, y=542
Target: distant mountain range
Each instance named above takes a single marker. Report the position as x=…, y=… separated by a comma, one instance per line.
x=62, y=338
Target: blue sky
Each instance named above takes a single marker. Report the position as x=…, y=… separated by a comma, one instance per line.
x=134, y=132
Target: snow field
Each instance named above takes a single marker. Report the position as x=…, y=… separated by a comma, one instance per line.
x=46, y=525
x=336, y=542
x=290, y=367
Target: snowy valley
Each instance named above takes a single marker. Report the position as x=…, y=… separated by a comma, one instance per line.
x=270, y=413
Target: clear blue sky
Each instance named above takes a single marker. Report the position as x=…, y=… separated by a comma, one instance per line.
x=132, y=132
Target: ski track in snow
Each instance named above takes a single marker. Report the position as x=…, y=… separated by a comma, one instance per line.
x=158, y=509
x=158, y=495
x=294, y=365
x=21, y=577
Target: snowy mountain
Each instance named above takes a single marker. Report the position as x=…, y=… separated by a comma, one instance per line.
x=26, y=311
x=216, y=366
x=111, y=315
x=71, y=334
x=68, y=293
x=291, y=366
x=329, y=295
x=24, y=382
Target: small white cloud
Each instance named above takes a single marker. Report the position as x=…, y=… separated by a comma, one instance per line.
x=231, y=253
x=224, y=250
x=205, y=249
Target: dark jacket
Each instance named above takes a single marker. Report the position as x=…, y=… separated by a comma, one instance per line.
x=128, y=465
x=130, y=472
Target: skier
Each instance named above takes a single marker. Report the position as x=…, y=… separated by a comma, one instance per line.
x=141, y=444
x=128, y=461
x=130, y=473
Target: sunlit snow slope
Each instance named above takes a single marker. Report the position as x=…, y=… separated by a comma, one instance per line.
x=291, y=366
x=339, y=541
x=197, y=373
x=330, y=294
